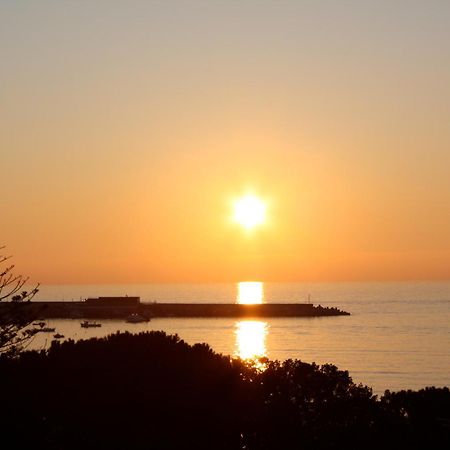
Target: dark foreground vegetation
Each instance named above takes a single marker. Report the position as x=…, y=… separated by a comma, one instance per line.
x=153, y=391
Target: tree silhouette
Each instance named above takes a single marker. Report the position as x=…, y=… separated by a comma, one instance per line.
x=14, y=319
x=154, y=391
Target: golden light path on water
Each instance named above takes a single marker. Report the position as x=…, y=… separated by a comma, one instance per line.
x=250, y=292
x=251, y=339
x=251, y=334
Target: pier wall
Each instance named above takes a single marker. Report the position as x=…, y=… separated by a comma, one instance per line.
x=87, y=310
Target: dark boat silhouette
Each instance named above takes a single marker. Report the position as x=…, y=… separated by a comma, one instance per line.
x=136, y=318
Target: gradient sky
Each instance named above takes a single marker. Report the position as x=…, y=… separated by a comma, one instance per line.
x=128, y=128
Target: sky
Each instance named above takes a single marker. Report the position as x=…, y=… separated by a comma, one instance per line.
x=128, y=129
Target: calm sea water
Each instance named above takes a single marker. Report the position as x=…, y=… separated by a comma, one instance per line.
x=397, y=337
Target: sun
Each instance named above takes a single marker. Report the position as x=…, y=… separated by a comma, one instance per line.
x=249, y=211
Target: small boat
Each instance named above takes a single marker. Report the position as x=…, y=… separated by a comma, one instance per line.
x=136, y=318
x=47, y=330
x=58, y=336
x=87, y=324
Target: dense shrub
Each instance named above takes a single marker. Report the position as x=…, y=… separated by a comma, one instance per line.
x=153, y=391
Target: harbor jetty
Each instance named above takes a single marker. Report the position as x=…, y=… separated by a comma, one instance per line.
x=120, y=307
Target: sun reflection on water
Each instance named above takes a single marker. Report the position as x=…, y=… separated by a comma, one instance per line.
x=250, y=292
x=251, y=341
x=251, y=334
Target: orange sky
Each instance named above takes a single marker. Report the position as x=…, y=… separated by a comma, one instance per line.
x=127, y=129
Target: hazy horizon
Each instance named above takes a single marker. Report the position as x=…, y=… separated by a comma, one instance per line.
x=129, y=129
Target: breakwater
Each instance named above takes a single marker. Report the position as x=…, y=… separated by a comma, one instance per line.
x=99, y=309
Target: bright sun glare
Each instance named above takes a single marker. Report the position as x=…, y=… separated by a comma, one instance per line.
x=249, y=211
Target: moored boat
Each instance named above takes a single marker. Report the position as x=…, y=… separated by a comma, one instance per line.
x=136, y=318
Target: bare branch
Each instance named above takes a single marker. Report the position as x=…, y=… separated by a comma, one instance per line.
x=15, y=318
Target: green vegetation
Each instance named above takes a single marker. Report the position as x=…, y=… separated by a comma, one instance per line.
x=154, y=391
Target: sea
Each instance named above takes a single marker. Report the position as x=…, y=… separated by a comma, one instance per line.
x=397, y=336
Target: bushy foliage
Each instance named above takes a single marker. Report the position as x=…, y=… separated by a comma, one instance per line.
x=154, y=391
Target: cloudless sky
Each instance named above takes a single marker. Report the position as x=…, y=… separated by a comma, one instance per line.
x=128, y=128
